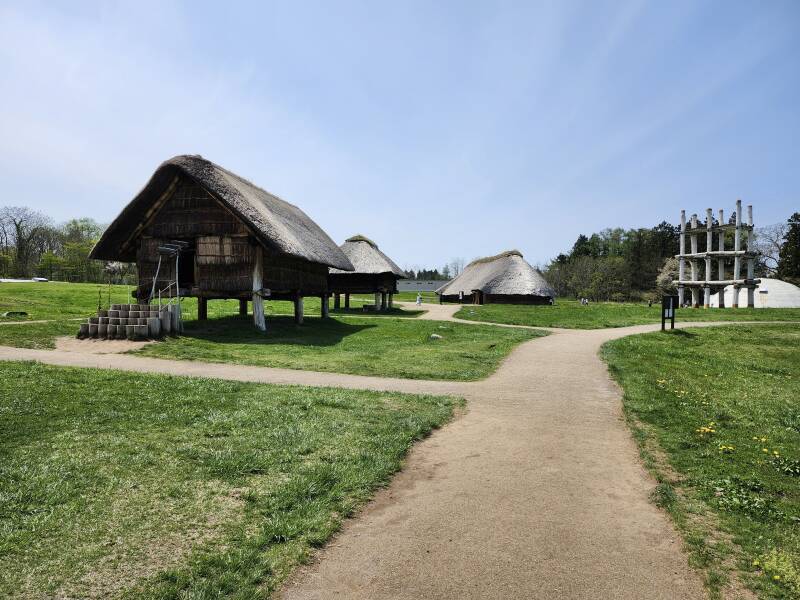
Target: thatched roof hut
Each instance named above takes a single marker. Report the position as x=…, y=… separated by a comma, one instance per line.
x=240, y=240
x=374, y=273
x=505, y=279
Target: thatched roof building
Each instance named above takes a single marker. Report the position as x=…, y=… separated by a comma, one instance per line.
x=374, y=273
x=240, y=240
x=505, y=278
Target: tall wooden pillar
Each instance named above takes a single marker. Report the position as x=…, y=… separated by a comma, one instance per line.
x=258, y=301
x=709, y=248
x=391, y=301
x=202, y=309
x=721, y=260
x=336, y=301
x=347, y=301
x=737, y=261
x=681, y=259
x=695, y=289
x=384, y=300
x=298, y=309
x=751, y=287
x=242, y=307
x=377, y=301
x=325, y=306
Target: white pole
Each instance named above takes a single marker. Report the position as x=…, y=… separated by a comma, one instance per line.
x=737, y=261
x=709, y=248
x=681, y=259
x=751, y=288
x=721, y=261
x=693, y=238
x=258, y=302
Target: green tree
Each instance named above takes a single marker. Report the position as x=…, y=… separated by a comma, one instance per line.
x=789, y=256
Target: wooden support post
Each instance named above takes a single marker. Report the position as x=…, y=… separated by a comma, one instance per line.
x=377, y=301
x=242, y=307
x=721, y=260
x=325, y=306
x=391, y=301
x=336, y=301
x=298, y=309
x=693, y=238
x=737, y=261
x=384, y=301
x=709, y=248
x=258, y=301
x=751, y=287
x=346, y=301
x=202, y=309
x=681, y=259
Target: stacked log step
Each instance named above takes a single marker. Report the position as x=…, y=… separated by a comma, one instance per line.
x=132, y=322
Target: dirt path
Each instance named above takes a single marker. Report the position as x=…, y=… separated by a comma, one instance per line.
x=536, y=492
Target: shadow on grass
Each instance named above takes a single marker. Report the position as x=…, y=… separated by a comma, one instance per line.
x=280, y=330
x=393, y=312
x=681, y=333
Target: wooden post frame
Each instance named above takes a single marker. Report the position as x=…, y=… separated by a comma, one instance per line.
x=347, y=301
x=336, y=301
x=258, y=301
x=325, y=306
x=242, y=307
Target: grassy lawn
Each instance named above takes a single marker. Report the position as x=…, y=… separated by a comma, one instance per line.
x=362, y=346
x=52, y=300
x=36, y=335
x=597, y=315
x=427, y=297
x=146, y=486
x=717, y=415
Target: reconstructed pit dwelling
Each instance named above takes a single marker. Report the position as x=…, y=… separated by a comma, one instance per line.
x=375, y=273
x=506, y=278
x=197, y=229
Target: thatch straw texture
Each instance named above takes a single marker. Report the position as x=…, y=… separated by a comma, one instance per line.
x=280, y=226
x=366, y=258
x=507, y=274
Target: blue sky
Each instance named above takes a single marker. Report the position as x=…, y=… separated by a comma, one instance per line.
x=438, y=129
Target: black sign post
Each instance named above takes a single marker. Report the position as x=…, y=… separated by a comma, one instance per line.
x=669, y=304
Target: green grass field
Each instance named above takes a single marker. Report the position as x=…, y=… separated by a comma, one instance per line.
x=121, y=484
x=716, y=412
x=598, y=315
x=54, y=300
x=385, y=347
x=427, y=297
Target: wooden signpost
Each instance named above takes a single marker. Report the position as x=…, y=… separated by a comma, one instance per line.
x=669, y=304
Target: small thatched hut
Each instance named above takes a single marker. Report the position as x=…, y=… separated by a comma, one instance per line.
x=238, y=240
x=375, y=273
x=503, y=279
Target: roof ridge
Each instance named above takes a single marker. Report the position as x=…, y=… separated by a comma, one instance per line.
x=487, y=259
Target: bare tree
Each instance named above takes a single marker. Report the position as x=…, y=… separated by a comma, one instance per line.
x=456, y=266
x=23, y=229
x=768, y=242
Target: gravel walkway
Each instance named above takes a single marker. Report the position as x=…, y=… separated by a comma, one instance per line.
x=536, y=492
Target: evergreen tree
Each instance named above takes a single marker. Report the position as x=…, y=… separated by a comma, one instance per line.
x=789, y=256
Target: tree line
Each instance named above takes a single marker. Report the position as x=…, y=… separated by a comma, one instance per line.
x=32, y=245
x=639, y=264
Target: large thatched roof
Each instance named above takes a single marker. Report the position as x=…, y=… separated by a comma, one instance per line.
x=505, y=274
x=279, y=225
x=365, y=256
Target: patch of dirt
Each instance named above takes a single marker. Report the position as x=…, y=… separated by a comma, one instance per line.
x=96, y=346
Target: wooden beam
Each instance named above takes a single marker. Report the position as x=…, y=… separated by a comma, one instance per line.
x=258, y=301
x=298, y=309
x=325, y=306
x=242, y=307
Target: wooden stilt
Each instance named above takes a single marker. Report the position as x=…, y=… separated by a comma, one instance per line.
x=737, y=243
x=693, y=238
x=751, y=288
x=242, y=307
x=336, y=301
x=377, y=301
x=325, y=306
x=258, y=301
x=391, y=301
x=298, y=309
x=347, y=301
x=202, y=309
x=721, y=261
x=709, y=248
x=384, y=301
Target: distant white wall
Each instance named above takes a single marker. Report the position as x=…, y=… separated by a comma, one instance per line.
x=421, y=285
